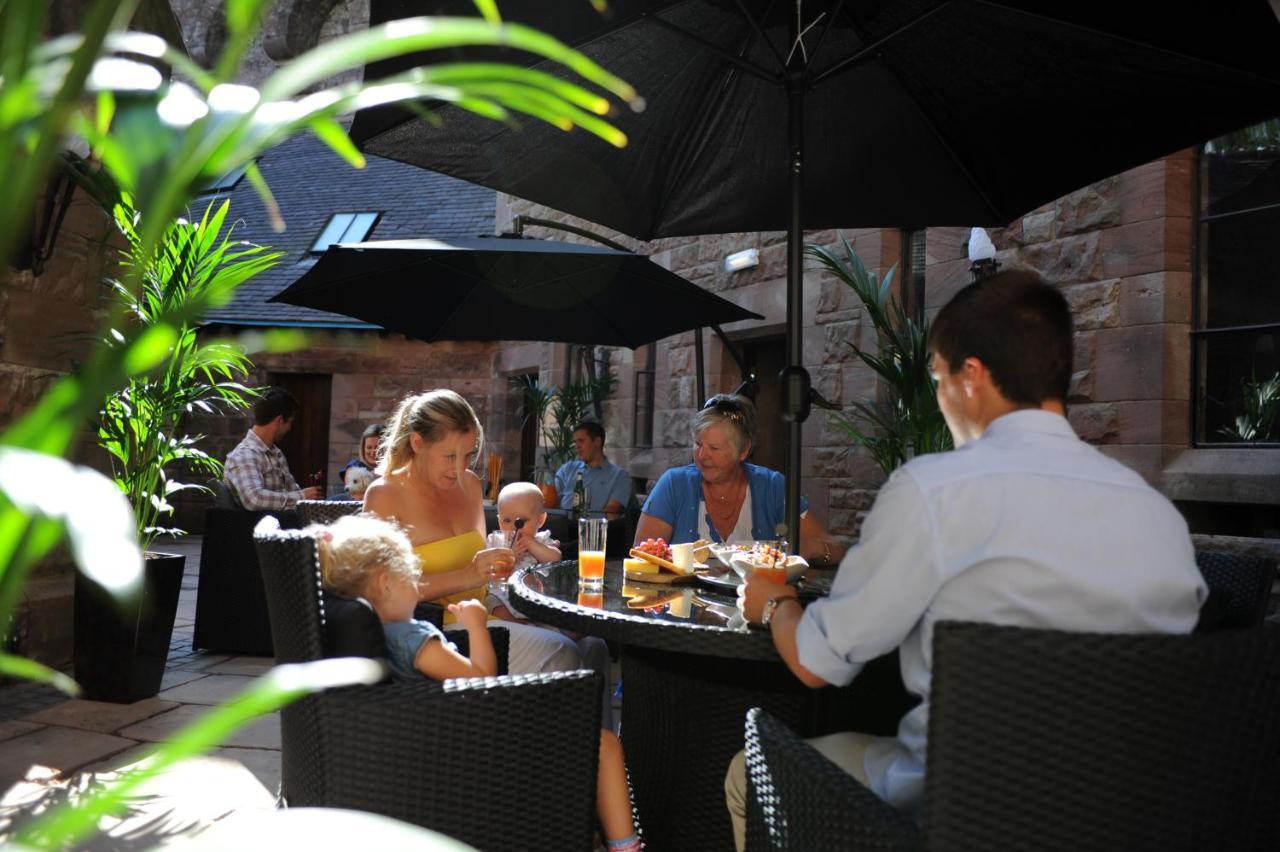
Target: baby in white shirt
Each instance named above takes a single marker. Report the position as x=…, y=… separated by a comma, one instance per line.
x=522, y=512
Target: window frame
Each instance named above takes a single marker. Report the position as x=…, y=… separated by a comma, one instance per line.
x=1199, y=336
x=313, y=251
x=644, y=410
x=225, y=183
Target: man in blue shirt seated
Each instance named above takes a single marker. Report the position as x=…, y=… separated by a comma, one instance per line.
x=1023, y=524
x=608, y=487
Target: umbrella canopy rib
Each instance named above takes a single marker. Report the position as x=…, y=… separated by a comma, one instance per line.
x=737, y=61
x=856, y=58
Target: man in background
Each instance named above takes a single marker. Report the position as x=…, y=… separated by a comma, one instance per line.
x=256, y=472
x=608, y=487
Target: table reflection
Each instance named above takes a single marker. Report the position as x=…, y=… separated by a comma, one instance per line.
x=666, y=602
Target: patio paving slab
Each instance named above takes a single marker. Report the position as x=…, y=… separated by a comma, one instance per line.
x=63, y=750
x=248, y=666
x=262, y=762
x=213, y=689
x=261, y=733
x=197, y=660
x=177, y=677
x=11, y=729
x=182, y=801
x=101, y=716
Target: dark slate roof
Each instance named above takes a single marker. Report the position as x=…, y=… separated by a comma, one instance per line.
x=311, y=183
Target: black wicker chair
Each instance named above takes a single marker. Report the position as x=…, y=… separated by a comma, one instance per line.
x=1057, y=741
x=231, y=606
x=327, y=511
x=1239, y=589
x=460, y=757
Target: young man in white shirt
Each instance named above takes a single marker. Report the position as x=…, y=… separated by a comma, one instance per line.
x=1022, y=524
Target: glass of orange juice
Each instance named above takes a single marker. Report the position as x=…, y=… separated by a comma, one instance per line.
x=591, y=547
x=773, y=573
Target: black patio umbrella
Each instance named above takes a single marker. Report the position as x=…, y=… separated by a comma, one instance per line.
x=791, y=114
x=508, y=289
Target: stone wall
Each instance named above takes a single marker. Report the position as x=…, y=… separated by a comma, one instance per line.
x=48, y=323
x=291, y=26
x=1120, y=250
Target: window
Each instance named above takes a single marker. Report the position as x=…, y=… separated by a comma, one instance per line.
x=1236, y=353
x=344, y=228
x=225, y=183
x=912, y=271
x=642, y=425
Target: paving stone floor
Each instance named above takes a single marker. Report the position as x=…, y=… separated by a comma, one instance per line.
x=50, y=744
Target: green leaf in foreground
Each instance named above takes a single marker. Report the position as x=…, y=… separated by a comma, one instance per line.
x=96, y=515
x=282, y=685
x=21, y=667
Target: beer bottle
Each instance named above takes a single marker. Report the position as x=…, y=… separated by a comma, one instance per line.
x=579, y=496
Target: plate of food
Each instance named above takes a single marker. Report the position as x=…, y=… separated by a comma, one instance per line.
x=725, y=552
x=644, y=571
x=767, y=560
x=722, y=579
x=654, y=561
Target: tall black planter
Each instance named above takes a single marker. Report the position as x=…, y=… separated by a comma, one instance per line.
x=121, y=648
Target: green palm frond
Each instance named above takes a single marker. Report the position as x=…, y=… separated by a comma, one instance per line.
x=906, y=420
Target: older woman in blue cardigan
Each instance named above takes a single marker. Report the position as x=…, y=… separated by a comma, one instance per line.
x=722, y=497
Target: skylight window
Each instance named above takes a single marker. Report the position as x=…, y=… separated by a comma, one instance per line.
x=225, y=183
x=344, y=228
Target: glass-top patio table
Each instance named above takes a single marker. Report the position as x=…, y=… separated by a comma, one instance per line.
x=689, y=675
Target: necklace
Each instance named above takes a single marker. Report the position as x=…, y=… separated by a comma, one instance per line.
x=724, y=506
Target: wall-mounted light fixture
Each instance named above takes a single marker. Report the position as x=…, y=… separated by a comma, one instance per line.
x=740, y=260
x=982, y=255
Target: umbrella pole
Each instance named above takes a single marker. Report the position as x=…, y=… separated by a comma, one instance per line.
x=698, y=365
x=795, y=381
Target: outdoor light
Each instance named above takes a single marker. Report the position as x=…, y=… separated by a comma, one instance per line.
x=740, y=260
x=982, y=255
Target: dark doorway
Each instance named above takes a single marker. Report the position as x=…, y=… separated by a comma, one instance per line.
x=766, y=357
x=528, y=434
x=307, y=444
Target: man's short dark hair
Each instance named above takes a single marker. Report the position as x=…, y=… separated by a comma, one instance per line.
x=1018, y=326
x=274, y=402
x=592, y=428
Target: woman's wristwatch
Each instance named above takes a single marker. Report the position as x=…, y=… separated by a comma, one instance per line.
x=766, y=614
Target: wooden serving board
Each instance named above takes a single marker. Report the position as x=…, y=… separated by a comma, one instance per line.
x=663, y=578
x=665, y=564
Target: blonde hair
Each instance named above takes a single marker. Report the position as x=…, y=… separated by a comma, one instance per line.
x=516, y=490
x=736, y=412
x=433, y=415
x=356, y=548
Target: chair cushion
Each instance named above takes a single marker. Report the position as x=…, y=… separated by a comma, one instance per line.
x=352, y=629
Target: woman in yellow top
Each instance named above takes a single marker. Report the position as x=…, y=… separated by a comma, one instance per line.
x=427, y=487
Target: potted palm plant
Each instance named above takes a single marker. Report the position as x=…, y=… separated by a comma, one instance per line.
x=121, y=645
x=905, y=420
x=568, y=405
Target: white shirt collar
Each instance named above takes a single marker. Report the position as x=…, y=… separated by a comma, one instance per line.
x=1029, y=420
